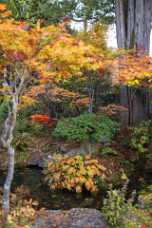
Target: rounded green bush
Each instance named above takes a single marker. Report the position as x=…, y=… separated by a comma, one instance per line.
x=93, y=127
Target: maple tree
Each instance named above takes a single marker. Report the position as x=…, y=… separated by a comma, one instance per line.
x=40, y=118
x=133, y=70
x=43, y=119
x=64, y=57
x=4, y=12
x=14, y=76
x=36, y=59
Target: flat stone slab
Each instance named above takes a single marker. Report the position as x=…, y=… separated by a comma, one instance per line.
x=74, y=218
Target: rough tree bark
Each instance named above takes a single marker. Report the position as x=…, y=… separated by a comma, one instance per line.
x=133, y=26
x=133, y=23
x=120, y=23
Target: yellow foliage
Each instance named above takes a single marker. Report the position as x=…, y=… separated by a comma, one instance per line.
x=50, y=52
x=134, y=70
x=75, y=173
x=26, y=101
x=2, y=6
x=23, y=211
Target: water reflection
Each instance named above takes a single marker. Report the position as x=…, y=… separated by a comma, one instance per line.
x=33, y=180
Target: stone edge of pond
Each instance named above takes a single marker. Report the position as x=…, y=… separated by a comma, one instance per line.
x=73, y=218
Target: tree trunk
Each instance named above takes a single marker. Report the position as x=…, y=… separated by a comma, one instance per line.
x=8, y=182
x=120, y=23
x=133, y=25
x=7, y=137
x=91, y=100
x=147, y=24
x=15, y=88
x=85, y=25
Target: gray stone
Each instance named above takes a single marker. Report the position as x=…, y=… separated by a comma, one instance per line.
x=39, y=160
x=74, y=218
x=82, y=148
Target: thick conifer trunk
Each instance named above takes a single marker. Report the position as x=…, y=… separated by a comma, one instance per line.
x=133, y=23
x=120, y=24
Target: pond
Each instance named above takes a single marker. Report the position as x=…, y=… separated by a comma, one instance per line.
x=32, y=178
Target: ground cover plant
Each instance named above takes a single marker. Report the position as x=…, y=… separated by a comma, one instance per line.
x=75, y=173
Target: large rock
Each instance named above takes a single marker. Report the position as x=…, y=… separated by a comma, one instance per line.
x=74, y=218
x=39, y=159
x=78, y=148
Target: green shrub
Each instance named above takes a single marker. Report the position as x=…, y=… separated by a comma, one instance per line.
x=24, y=125
x=86, y=127
x=140, y=137
x=21, y=142
x=108, y=151
x=122, y=214
x=114, y=208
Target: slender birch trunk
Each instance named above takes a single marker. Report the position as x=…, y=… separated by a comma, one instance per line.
x=15, y=80
x=7, y=138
